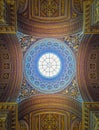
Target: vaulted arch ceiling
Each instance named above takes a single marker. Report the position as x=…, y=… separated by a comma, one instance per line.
x=50, y=18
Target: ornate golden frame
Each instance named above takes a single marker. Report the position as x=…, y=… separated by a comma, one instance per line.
x=89, y=14
x=90, y=116
x=9, y=116
x=8, y=13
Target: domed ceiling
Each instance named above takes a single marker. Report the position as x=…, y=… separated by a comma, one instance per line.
x=50, y=32
x=49, y=66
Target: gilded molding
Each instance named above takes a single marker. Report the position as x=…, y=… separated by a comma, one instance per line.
x=2, y=12
x=22, y=5
x=23, y=125
x=49, y=102
x=48, y=8
x=90, y=116
x=8, y=20
x=77, y=6
x=8, y=116
x=49, y=120
x=91, y=17
x=44, y=18
x=50, y=112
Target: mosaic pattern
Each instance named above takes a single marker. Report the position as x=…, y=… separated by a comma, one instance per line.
x=72, y=90
x=32, y=74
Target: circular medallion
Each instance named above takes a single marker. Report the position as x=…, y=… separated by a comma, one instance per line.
x=49, y=65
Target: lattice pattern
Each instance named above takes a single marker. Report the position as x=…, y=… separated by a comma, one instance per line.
x=49, y=121
x=90, y=120
x=48, y=8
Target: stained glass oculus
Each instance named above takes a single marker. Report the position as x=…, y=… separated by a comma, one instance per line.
x=49, y=65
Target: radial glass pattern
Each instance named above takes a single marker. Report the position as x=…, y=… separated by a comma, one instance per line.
x=49, y=65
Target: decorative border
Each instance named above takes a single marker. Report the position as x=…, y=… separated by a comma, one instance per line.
x=12, y=109
x=10, y=24
x=37, y=5
x=88, y=28
x=89, y=115
x=50, y=101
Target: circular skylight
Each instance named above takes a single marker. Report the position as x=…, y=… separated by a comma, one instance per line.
x=49, y=65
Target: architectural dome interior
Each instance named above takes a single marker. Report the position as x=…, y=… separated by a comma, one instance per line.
x=49, y=65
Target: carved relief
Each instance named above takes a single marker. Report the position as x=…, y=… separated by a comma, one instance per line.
x=49, y=121
x=5, y=66
x=76, y=125
x=51, y=112
x=42, y=18
x=95, y=13
x=5, y=120
x=90, y=113
x=8, y=16
x=9, y=67
x=8, y=116
x=2, y=12
x=23, y=125
x=48, y=8
x=22, y=5
x=91, y=17
x=78, y=5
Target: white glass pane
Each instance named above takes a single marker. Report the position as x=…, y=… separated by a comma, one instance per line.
x=49, y=65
